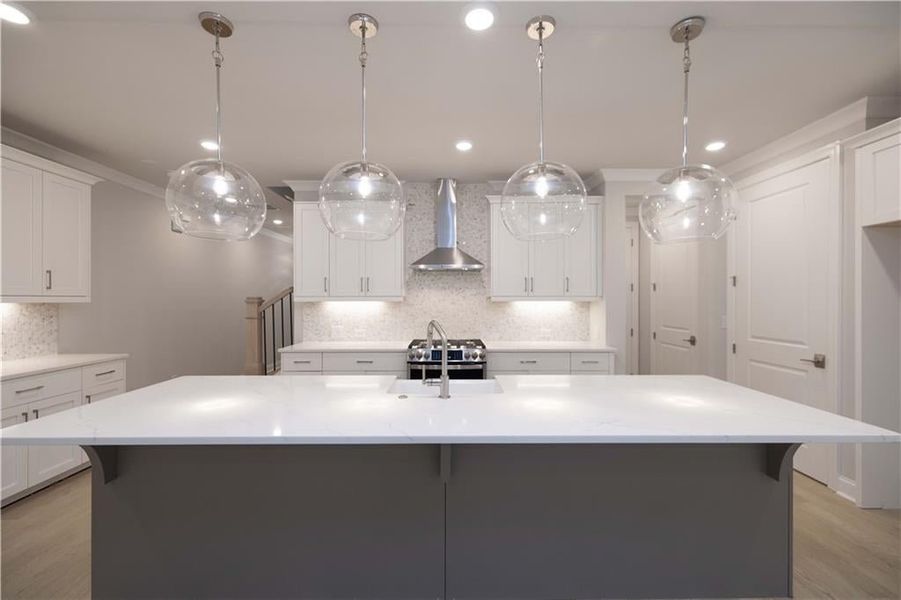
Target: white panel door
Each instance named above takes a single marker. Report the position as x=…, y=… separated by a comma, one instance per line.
x=66, y=236
x=632, y=288
x=384, y=266
x=14, y=474
x=346, y=268
x=311, y=252
x=784, y=294
x=509, y=260
x=45, y=462
x=20, y=215
x=580, y=257
x=675, y=309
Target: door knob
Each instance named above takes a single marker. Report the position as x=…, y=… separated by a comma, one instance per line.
x=691, y=340
x=818, y=361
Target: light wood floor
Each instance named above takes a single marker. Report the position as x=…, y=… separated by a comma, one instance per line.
x=841, y=552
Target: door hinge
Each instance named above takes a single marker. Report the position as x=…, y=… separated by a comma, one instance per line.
x=654, y=287
x=733, y=347
x=734, y=280
x=654, y=335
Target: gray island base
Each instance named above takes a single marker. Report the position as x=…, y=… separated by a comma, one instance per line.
x=542, y=521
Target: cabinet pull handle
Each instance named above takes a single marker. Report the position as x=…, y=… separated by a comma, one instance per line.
x=302, y=362
x=364, y=362
x=367, y=284
x=528, y=362
x=567, y=285
x=31, y=389
x=361, y=285
x=36, y=413
x=110, y=372
x=325, y=284
x=525, y=284
x=590, y=362
x=88, y=398
x=49, y=279
x=532, y=279
x=25, y=414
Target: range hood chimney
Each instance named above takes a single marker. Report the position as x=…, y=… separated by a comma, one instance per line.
x=446, y=256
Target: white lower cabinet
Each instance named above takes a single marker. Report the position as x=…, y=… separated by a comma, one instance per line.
x=345, y=363
x=550, y=363
x=46, y=462
x=28, y=468
x=14, y=476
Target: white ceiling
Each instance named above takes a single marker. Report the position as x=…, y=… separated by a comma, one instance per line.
x=130, y=84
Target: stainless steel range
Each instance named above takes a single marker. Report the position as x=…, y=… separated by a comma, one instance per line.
x=466, y=359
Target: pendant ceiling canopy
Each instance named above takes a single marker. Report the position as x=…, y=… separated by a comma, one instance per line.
x=542, y=200
x=360, y=199
x=212, y=198
x=689, y=202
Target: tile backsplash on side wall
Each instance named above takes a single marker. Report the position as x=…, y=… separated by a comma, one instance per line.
x=28, y=330
x=458, y=300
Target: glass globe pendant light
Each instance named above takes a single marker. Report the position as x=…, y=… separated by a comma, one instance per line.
x=362, y=200
x=211, y=198
x=543, y=200
x=690, y=202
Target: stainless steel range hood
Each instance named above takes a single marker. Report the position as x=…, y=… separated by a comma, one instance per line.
x=446, y=256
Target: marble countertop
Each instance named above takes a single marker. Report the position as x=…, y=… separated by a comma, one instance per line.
x=22, y=367
x=558, y=409
x=492, y=346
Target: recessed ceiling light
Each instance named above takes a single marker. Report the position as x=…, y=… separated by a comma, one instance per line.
x=10, y=13
x=464, y=145
x=209, y=145
x=715, y=146
x=479, y=19
x=277, y=221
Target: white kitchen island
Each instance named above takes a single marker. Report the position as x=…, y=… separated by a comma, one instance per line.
x=527, y=486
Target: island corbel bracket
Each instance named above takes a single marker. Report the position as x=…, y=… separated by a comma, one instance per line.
x=104, y=460
x=779, y=460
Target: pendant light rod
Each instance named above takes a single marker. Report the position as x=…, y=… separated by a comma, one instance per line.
x=220, y=27
x=539, y=28
x=364, y=27
x=683, y=32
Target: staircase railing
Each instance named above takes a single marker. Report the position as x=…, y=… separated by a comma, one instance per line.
x=269, y=326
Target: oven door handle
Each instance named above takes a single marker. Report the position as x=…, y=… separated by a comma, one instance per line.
x=451, y=367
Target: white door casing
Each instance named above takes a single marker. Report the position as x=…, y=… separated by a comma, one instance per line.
x=675, y=308
x=632, y=291
x=785, y=255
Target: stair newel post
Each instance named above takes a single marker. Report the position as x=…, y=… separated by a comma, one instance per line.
x=253, y=351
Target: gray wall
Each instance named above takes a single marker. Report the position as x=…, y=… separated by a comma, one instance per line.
x=174, y=303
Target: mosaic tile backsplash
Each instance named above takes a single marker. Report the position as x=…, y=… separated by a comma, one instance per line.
x=28, y=330
x=458, y=300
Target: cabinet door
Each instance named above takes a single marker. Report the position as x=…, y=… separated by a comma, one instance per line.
x=20, y=220
x=45, y=462
x=14, y=476
x=509, y=260
x=102, y=392
x=580, y=257
x=66, y=236
x=346, y=267
x=384, y=262
x=546, y=277
x=878, y=181
x=311, y=253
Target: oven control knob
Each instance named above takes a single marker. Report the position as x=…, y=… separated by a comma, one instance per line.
x=476, y=354
x=420, y=353
x=467, y=354
x=412, y=354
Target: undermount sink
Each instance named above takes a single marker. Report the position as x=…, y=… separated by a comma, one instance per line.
x=458, y=387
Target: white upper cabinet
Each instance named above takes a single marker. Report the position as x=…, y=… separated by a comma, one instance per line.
x=564, y=269
x=328, y=267
x=45, y=217
x=877, y=179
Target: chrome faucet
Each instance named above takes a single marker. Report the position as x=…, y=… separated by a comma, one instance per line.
x=445, y=379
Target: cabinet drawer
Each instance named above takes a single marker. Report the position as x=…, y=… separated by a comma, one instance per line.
x=102, y=392
x=528, y=362
x=301, y=361
x=37, y=387
x=358, y=362
x=101, y=373
x=594, y=362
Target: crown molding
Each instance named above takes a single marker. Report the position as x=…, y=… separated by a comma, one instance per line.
x=26, y=143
